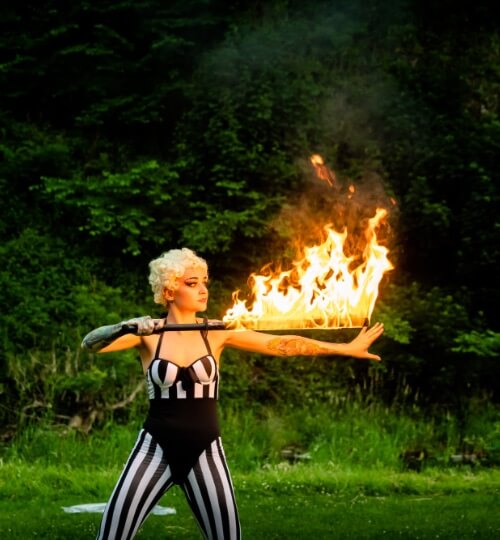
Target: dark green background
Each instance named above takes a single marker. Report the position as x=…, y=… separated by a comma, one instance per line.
x=128, y=128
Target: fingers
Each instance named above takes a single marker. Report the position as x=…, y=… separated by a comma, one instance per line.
x=375, y=331
x=371, y=335
x=145, y=325
x=159, y=323
x=376, y=327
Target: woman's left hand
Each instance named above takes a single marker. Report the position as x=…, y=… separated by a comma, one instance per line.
x=358, y=347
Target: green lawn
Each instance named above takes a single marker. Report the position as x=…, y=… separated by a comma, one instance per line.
x=303, y=502
x=280, y=516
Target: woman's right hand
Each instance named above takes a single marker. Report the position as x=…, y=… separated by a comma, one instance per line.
x=145, y=325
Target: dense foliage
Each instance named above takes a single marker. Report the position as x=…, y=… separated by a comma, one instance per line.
x=128, y=128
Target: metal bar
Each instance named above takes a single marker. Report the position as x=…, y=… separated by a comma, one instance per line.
x=257, y=325
x=132, y=328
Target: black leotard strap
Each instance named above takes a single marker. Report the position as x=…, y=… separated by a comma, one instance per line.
x=204, y=335
x=158, y=347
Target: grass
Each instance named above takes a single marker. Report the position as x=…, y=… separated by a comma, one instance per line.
x=345, y=433
x=283, y=517
x=275, y=502
x=354, y=485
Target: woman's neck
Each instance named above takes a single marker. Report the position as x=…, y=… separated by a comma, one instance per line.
x=176, y=316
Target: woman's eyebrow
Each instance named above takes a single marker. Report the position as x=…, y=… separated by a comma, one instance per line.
x=196, y=278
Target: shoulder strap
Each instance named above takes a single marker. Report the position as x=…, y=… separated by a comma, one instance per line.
x=158, y=346
x=204, y=335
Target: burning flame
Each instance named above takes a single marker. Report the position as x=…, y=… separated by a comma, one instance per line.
x=330, y=285
x=322, y=171
x=323, y=289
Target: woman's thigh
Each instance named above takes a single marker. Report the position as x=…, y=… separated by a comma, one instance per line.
x=210, y=494
x=145, y=478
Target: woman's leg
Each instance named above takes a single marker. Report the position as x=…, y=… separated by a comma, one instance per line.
x=210, y=494
x=145, y=478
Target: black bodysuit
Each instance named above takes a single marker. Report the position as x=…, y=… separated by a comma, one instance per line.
x=183, y=416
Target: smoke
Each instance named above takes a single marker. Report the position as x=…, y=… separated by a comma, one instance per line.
x=313, y=76
x=342, y=204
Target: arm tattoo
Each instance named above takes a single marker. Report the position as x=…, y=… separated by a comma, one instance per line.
x=295, y=346
x=101, y=337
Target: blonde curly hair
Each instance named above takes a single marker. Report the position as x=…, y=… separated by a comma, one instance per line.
x=166, y=269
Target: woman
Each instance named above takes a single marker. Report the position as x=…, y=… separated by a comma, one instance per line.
x=180, y=440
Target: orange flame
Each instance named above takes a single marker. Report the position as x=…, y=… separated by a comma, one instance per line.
x=322, y=171
x=324, y=289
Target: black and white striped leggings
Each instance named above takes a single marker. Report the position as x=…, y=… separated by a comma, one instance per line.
x=147, y=476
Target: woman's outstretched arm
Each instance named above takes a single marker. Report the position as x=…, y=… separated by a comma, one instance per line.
x=301, y=346
x=111, y=338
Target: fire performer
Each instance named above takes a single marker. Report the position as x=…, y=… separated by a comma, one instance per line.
x=180, y=440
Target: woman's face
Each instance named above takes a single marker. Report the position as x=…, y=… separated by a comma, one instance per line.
x=192, y=292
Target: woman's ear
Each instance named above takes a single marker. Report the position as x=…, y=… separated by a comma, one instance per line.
x=168, y=295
